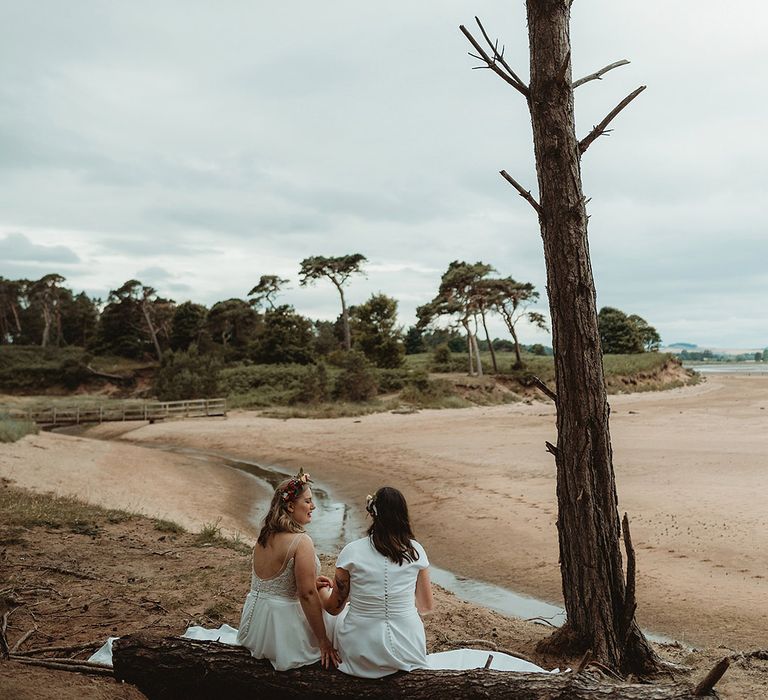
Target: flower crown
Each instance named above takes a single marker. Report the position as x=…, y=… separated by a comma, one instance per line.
x=295, y=486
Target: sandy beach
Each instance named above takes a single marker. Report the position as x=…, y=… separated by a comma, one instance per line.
x=690, y=467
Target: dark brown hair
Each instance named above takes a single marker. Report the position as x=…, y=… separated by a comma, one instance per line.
x=278, y=519
x=390, y=531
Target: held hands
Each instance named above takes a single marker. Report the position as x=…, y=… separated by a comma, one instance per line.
x=323, y=582
x=329, y=657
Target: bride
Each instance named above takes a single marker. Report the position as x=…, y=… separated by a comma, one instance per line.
x=385, y=576
x=282, y=618
x=386, y=579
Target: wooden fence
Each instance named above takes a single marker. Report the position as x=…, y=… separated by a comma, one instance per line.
x=149, y=411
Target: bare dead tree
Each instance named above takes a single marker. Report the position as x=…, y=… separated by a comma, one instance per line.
x=599, y=602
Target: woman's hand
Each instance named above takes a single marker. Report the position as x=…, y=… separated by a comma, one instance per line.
x=323, y=582
x=329, y=657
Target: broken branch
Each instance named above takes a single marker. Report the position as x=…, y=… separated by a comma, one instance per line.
x=24, y=637
x=551, y=448
x=598, y=75
x=545, y=389
x=491, y=63
x=525, y=194
x=630, y=602
x=710, y=680
x=600, y=129
x=499, y=56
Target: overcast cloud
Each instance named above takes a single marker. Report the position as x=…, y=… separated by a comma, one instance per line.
x=197, y=145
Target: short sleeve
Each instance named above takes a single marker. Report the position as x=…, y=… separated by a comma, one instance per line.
x=346, y=557
x=422, y=562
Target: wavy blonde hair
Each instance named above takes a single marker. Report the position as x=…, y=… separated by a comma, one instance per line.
x=278, y=519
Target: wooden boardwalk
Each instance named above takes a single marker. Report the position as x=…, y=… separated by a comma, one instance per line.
x=149, y=411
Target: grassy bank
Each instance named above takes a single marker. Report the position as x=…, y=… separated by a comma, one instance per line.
x=325, y=390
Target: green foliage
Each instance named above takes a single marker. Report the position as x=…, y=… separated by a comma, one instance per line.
x=337, y=269
x=357, y=381
x=187, y=325
x=649, y=336
x=327, y=339
x=375, y=331
x=255, y=386
x=315, y=387
x=187, y=375
x=27, y=369
x=286, y=337
x=269, y=286
x=618, y=335
x=537, y=349
x=233, y=324
x=433, y=393
x=455, y=341
x=395, y=379
x=414, y=341
x=13, y=429
x=441, y=359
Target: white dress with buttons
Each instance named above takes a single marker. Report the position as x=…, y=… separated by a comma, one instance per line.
x=380, y=631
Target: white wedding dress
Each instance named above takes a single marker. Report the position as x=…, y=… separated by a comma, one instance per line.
x=273, y=625
x=380, y=631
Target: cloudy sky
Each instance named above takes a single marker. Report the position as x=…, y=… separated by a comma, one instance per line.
x=198, y=144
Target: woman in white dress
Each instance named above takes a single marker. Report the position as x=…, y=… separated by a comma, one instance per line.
x=282, y=618
x=385, y=576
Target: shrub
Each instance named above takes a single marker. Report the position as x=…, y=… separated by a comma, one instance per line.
x=187, y=375
x=314, y=389
x=357, y=382
x=12, y=429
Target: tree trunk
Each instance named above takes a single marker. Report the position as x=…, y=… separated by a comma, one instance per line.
x=588, y=521
x=152, y=331
x=478, y=359
x=470, y=349
x=47, y=325
x=518, y=357
x=168, y=668
x=490, y=344
x=345, y=320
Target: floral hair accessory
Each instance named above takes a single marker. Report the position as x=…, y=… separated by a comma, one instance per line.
x=370, y=504
x=295, y=486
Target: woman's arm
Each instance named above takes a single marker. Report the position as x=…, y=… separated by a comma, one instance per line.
x=334, y=603
x=424, y=602
x=306, y=586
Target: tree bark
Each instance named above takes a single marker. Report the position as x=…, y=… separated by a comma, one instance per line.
x=588, y=521
x=171, y=667
x=478, y=359
x=490, y=344
x=151, y=326
x=344, y=318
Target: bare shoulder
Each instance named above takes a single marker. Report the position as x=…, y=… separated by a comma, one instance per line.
x=305, y=544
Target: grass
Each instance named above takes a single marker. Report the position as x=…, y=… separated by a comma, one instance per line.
x=168, y=526
x=210, y=536
x=13, y=429
x=336, y=409
x=21, y=508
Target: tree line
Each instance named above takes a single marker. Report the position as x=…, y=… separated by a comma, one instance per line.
x=137, y=322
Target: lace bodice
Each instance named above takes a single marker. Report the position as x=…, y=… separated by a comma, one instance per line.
x=283, y=585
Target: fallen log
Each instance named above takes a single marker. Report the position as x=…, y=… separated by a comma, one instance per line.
x=171, y=668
